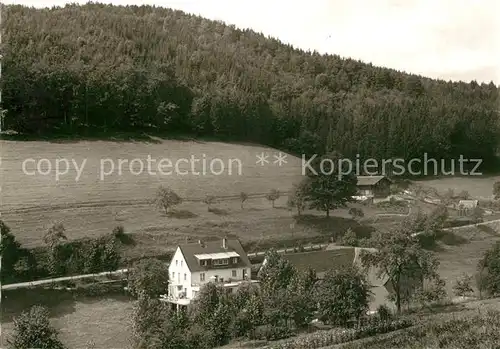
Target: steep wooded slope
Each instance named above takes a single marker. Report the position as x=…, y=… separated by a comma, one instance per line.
x=82, y=68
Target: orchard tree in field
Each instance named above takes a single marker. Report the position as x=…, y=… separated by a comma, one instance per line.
x=496, y=190
x=489, y=271
x=297, y=197
x=342, y=296
x=400, y=257
x=332, y=183
x=32, y=329
x=243, y=198
x=209, y=201
x=463, y=286
x=148, y=276
x=273, y=195
x=166, y=198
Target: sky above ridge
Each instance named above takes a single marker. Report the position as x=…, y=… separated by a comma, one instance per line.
x=446, y=39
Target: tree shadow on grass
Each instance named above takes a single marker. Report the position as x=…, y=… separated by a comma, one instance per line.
x=218, y=211
x=145, y=136
x=334, y=226
x=488, y=230
x=14, y=302
x=181, y=214
x=434, y=242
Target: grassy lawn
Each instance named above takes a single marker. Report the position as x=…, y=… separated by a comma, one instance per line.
x=105, y=320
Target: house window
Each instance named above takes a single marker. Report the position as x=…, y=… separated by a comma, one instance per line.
x=202, y=276
x=176, y=262
x=224, y=261
x=173, y=275
x=181, y=263
x=235, y=260
x=185, y=276
x=233, y=273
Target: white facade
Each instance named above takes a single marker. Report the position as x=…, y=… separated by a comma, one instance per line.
x=185, y=284
x=179, y=276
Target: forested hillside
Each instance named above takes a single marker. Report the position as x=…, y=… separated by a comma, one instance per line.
x=80, y=69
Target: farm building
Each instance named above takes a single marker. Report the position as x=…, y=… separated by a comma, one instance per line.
x=374, y=186
x=466, y=207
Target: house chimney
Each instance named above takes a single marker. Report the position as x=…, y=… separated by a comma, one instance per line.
x=224, y=243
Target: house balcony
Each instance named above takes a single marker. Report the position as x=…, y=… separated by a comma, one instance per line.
x=175, y=300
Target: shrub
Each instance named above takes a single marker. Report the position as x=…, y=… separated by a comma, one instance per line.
x=321, y=339
x=463, y=286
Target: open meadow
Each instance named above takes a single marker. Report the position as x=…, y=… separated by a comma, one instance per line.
x=90, y=204
x=479, y=187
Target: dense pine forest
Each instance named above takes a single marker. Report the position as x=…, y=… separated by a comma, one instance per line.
x=102, y=68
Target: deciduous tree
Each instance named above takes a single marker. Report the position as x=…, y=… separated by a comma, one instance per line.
x=343, y=296
x=332, y=183
x=273, y=195
x=148, y=276
x=166, y=198
x=32, y=329
x=399, y=256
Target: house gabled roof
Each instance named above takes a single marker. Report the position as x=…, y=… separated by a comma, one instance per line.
x=468, y=203
x=370, y=180
x=322, y=261
x=213, y=247
x=335, y=257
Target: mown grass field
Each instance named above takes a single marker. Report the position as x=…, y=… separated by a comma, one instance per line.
x=92, y=207
x=106, y=320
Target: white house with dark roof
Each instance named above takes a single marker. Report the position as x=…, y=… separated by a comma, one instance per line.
x=194, y=265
